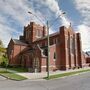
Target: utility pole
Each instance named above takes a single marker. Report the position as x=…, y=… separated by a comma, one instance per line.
x=48, y=57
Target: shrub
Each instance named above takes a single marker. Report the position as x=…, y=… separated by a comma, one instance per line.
x=4, y=62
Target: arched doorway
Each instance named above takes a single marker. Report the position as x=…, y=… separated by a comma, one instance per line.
x=36, y=64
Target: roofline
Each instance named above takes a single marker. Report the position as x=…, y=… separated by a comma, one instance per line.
x=24, y=44
x=51, y=35
x=21, y=44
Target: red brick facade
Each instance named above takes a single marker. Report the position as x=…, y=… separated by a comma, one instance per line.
x=31, y=49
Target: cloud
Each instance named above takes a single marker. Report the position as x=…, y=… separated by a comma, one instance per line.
x=14, y=10
x=54, y=7
x=5, y=33
x=85, y=35
x=83, y=6
x=13, y=15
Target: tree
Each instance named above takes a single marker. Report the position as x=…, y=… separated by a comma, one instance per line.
x=3, y=57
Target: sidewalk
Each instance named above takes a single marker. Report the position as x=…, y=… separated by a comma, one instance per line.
x=41, y=75
x=44, y=74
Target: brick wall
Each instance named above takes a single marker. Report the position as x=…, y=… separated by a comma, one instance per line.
x=65, y=44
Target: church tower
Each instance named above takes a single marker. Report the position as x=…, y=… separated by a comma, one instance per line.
x=33, y=31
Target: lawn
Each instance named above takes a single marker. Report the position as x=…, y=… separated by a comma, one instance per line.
x=66, y=74
x=18, y=69
x=11, y=75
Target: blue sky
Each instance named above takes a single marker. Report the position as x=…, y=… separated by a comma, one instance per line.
x=14, y=16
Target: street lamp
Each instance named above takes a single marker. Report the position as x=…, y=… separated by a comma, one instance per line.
x=36, y=17
x=47, y=26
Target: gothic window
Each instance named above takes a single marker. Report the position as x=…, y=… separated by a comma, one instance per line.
x=68, y=43
x=10, y=51
x=45, y=43
x=41, y=34
x=38, y=33
x=72, y=45
x=45, y=52
x=54, y=55
x=55, y=41
x=28, y=34
x=51, y=42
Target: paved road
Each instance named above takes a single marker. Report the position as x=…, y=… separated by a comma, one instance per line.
x=77, y=82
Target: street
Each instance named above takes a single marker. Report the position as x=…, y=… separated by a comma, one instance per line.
x=77, y=82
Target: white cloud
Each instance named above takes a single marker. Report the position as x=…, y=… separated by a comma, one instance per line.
x=16, y=10
x=83, y=6
x=11, y=9
x=5, y=34
x=6, y=31
x=54, y=7
x=85, y=35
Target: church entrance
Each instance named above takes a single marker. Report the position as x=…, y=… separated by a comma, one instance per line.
x=36, y=64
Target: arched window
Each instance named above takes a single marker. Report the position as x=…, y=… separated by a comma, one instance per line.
x=72, y=46
x=45, y=52
x=54, y=55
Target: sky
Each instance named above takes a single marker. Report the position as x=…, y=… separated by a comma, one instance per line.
x=14, y=16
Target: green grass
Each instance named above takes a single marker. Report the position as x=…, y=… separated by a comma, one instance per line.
x=19, y=69
x=66, y=74
x=11, y=76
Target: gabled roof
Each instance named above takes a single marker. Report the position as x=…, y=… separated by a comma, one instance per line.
x=51, y=35
x=19, y=42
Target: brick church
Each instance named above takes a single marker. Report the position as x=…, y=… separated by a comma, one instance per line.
x=30, y=51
